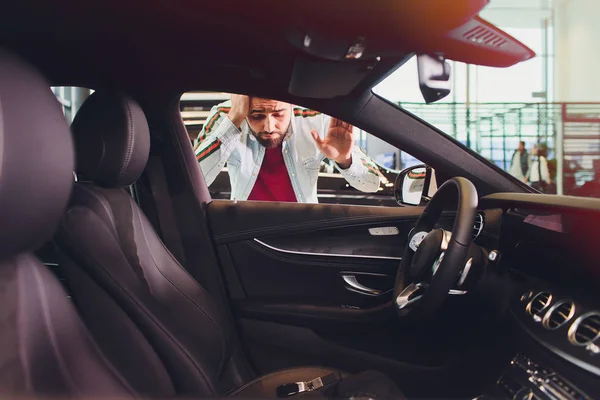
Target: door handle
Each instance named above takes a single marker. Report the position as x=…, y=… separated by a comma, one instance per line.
x=354, y=286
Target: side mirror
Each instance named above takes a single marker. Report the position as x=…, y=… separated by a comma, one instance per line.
x=434, y=77
x=412, y=185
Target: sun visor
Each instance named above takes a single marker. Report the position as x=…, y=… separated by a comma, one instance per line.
x=481, y=43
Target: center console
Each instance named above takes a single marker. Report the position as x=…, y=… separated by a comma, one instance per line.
x=525, y=379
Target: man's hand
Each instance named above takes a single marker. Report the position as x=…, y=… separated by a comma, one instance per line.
x=338, y=142
x=240, y=108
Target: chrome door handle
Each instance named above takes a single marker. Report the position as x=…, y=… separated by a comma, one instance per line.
x=355, y=286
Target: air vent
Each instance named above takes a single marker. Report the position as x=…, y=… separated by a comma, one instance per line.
x=539, y=303
x=526, y=296
x=482, y=35
x=478, y=226
x=585, y=329
x=559, y=314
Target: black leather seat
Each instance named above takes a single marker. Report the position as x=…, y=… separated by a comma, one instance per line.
x=45, y=349
x=160, y=328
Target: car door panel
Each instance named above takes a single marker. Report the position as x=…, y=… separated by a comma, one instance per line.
x=310, y=262
x=347, y=241
x=286, y=278
x=233, y=221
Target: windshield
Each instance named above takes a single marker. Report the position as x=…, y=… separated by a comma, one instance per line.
x=538, y=120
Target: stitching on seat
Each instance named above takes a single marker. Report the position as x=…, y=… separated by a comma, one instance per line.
x=91, y=343
x=154, y=368
x=130, y=140
x=50, y=329
x=139, y=305
x=221, y=335
x=184, y=271
x=102, y=202
x=21, y=347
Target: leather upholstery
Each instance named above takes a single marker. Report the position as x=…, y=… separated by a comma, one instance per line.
x=36, y=158
x=178, y=341
x=44, y=347
x=105, y=234
x=112, y=140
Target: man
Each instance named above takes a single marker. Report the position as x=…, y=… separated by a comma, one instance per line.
x=520, y=162
x=274, y=150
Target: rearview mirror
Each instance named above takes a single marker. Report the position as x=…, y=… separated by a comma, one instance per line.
x=411, y=184
x=434, y=77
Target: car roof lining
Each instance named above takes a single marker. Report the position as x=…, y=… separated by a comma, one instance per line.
x=154, y=46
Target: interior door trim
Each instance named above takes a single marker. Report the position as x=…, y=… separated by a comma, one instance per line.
x=307, y=253
x=354, y=286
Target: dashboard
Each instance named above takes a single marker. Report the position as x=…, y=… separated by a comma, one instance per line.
x=549, y=249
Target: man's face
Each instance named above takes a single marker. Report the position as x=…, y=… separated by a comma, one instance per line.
x=521, y=146
x=269, y=121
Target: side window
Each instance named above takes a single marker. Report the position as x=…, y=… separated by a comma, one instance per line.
x=260, y=149
x=71, y=98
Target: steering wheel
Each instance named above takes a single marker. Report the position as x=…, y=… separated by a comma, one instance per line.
x=435, y=260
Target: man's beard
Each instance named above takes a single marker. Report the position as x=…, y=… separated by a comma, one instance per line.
x=270, y=140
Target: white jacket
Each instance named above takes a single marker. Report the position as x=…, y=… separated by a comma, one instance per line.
x=220, y=142
x=539, y=166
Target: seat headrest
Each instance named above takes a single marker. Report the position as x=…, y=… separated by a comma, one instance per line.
x=112, y=140
x=36, y=158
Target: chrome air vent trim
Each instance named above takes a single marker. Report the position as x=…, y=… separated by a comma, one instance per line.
x=478, y=226
x=559, y=314
x=585, y=330
x=538, y=304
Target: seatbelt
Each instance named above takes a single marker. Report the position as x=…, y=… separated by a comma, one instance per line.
x=164, y=207
x=290, y=389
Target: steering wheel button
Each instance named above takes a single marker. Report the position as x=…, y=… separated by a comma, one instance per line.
x=384, y=231
x=416, y=240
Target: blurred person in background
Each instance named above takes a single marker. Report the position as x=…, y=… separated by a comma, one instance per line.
x=539, y=174
x=519, y=166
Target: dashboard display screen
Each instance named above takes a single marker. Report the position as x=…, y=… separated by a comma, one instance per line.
x=552, y=222
x=558, y=246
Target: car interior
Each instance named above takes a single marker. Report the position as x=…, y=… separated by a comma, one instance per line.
x=122, y=278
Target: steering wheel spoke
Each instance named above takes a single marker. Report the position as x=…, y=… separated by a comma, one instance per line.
x=410, y=295
x=414, y=292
